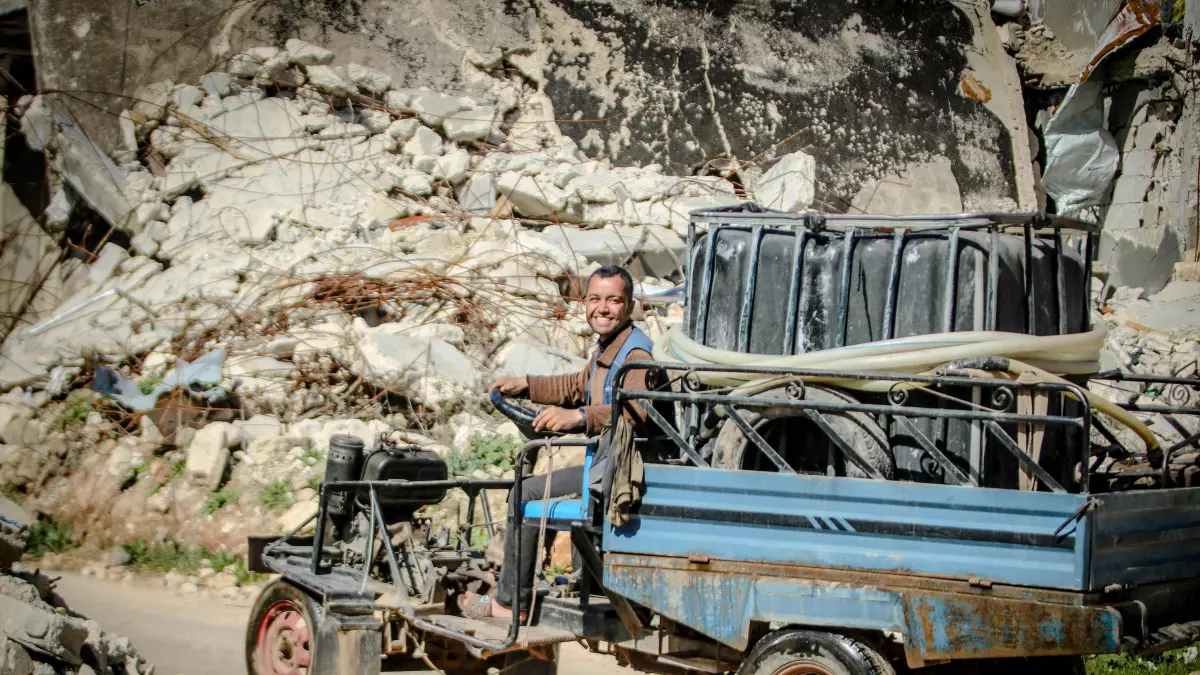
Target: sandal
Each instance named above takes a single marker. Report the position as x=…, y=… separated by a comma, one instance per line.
x=479, y=607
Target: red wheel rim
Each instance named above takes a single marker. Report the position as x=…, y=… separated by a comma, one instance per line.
x=282, y=646
x=803, y=668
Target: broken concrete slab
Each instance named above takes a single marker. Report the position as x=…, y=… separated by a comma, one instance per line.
x=1143, y=257
x=924, y=188
x=656, y=250
x=789, y=184
x=208, y=454
x=470, y=125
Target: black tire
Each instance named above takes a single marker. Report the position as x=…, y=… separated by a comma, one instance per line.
x=808, y=652
x=275, y=626
x=859, y=429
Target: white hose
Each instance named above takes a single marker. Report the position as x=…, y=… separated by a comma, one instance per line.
x=1038, y=356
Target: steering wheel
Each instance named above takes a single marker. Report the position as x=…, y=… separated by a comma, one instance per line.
x=520, y=415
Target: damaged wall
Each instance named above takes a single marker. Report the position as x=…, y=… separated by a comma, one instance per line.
x=866, y=89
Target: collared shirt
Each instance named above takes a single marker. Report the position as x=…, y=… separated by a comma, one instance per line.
x=570, y=391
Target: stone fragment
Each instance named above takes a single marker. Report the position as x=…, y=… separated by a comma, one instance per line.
x=658, y=252
x=425, y=141
x=369, y=79
x=525, y=357
x=244, y=64
x=534, y=197
x=295, y=515
x=470, y=125
x=258, y=426
x=328, y=80
x=1143, y=257
x=208, y=454
x=433, y=108
x=151, y=101
x=404, y=129
x=789, y=184
x=427, y=369
x=187, y=96
x=924, y=188
x=216, y=84
x=453, y=166
x=119, y=557
x=110, y=259
x=478, y=195
x=308, y=54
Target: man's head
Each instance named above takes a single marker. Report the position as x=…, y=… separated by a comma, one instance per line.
x=609, y=300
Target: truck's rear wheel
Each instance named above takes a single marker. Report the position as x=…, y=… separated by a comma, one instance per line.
x=281, y=634
x=806, y=652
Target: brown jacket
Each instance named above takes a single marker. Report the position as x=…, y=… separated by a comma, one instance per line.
x=570, y=391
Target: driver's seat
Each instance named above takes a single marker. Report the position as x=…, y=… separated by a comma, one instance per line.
x=562, y=512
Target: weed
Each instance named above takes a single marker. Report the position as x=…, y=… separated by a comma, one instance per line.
x=177, y=469
x=49, y=536
x=218, y=500
x=148, y=383
x=276, y=495
x=483, y=452
x=139, y=469
x=314, y=482
x=163, y=558
x=75, y=413
x=310, y=457
x=1178, y=662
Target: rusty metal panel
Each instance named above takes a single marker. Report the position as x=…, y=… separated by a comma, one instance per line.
x=1022, y=538
x=1145, y=537
x=963, y=627
x=939, y=619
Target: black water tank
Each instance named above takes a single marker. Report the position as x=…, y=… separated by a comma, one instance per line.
x=744, y=294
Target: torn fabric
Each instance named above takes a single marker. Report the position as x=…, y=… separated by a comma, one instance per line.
x=204, y=370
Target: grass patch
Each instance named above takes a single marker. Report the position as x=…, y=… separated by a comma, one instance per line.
x=162, y=558
x=148, y=383
x=276, y=495
x=483, y=451
x=177, y=469
x=219, y=500
x=76, y=413
x=1177, y=662
x=49, y=536
x=314, y=483
x=310, y=457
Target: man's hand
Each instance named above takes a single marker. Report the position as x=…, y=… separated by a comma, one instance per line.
x=563, y=420
x=510, y=386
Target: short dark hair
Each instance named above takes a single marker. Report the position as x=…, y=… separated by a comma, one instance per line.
x=610, y=271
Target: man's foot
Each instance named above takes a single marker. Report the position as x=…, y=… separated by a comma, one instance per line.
x=485, y=607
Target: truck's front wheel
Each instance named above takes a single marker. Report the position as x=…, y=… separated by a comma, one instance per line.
x=282, y=632
x=807, y=652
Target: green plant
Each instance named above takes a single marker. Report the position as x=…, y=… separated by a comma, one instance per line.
x=148, y=383
x=1177, y=662
x=314, y=482
x=75, y=413
x=218, y=500
x=177, y=469
x=310, y=457
x=483, y=451
x=276, y=495
x=49, y=536
x=163, y=558
x=139, y=469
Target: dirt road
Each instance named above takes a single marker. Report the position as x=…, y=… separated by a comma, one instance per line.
x=183, y=635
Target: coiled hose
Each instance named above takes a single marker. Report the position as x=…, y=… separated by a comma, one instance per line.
x=1033, y=358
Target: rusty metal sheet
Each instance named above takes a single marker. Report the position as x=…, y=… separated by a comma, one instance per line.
x=965, y=627
x=940, y=619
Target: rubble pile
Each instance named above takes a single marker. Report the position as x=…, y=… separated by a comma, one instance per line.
x=40, y=634
x=290, y=249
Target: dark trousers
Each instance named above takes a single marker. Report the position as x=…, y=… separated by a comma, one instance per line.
x=563, y=483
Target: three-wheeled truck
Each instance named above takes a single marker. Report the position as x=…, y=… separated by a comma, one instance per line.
x=810, y=495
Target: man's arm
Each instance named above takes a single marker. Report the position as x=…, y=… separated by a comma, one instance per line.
x=598, y=416
x=565, y=391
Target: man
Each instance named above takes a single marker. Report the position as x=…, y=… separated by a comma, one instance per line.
x=579, y=403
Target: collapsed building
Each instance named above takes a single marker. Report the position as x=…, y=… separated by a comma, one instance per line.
x=235, y=229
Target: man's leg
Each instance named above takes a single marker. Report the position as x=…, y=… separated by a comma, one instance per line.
x=563, y=483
